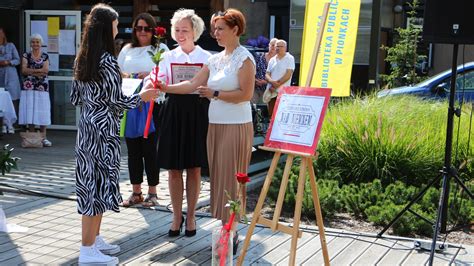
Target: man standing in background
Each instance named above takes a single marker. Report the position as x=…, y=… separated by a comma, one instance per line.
x=279, y=72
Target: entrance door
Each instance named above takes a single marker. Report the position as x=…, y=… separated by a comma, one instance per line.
x=61, y=32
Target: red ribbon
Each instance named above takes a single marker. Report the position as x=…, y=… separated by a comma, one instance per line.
x=224, y=240
x=152, y=104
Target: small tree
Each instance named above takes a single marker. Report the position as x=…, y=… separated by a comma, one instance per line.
x=7, y=162
x=403, y=56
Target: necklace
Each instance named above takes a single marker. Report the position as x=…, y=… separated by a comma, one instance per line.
x=36, y=55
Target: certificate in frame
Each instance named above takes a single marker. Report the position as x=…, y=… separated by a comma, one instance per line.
x=185, y=71
x=297, y=119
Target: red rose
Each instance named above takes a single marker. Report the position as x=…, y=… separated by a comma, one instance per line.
x=242, y=178
x=160, y=31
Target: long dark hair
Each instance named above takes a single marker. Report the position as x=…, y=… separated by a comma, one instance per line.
x=5, y=40
x=150, y=21
x=97, y=38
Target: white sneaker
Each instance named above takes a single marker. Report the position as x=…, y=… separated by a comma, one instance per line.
x=105, y=247
x=47, y=143
x=4, y=129
x=90, y=255
x=11, y=130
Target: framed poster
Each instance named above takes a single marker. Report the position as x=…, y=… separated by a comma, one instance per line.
x=182, y=72
x=297, y=119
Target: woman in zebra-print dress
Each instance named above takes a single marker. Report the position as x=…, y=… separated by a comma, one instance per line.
x=97, y=90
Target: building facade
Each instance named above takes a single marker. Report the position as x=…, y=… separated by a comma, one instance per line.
x=271, y=18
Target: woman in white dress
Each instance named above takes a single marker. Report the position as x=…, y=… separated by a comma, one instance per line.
x=35, y=105
x=227, y=79
x=183, y=123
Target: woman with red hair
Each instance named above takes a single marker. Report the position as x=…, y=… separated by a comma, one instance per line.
x=227, y=79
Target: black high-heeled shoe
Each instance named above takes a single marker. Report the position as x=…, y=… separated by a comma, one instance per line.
x=235, y=242
x=190, y=233
x=174, y=233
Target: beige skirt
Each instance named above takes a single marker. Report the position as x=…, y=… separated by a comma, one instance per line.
x=229, y=148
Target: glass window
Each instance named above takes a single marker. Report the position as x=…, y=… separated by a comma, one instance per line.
x=466, y=81
x=62, y=111
x=297, y=10
x=365, y=14
x=61, y=47
x=386, y=18
x=462, y=80
x=362, y=51
x=296, y=39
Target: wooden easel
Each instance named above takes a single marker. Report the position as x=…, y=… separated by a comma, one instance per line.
x=306, y=165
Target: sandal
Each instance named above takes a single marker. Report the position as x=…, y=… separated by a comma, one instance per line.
x=151, y=200
x=135, y=198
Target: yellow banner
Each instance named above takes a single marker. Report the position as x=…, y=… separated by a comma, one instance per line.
x=336, y=54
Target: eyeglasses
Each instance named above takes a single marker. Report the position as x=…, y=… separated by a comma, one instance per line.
x=143, y=28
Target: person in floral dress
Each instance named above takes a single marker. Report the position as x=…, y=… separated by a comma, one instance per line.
x=35, y=105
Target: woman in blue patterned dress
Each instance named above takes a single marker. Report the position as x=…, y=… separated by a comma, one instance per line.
x=261, y=64
x=9, y=59
x=97, y=90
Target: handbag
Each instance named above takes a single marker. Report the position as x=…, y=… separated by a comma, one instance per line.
x=32, y=139
x=269, y=95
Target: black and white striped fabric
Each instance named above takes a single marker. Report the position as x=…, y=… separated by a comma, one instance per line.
x=98, y=143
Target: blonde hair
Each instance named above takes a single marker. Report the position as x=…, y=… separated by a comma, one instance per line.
x=196, y=22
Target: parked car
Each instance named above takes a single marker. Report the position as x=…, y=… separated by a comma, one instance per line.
x=438, y=86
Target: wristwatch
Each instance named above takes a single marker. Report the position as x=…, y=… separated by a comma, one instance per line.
x=215, y=95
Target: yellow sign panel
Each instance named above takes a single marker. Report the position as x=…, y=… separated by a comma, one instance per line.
x=53, y=26
x=336, y=54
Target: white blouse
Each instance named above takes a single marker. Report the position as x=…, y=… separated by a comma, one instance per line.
x=136, y=59
x=197, y=56
x=223, y=76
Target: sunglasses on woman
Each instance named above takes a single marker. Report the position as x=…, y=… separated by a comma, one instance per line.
x=143, y=28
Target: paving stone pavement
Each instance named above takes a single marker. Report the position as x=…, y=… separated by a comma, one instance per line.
x=54, y=227
x=51, y=170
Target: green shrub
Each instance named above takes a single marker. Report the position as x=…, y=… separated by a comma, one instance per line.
x=7, y=162
x=328, y=194
x=396, y=196
x=374, y=157
x=407, y=225
x=357, y=198
x=460, y=206
x=376, y=204
x=391, y=138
